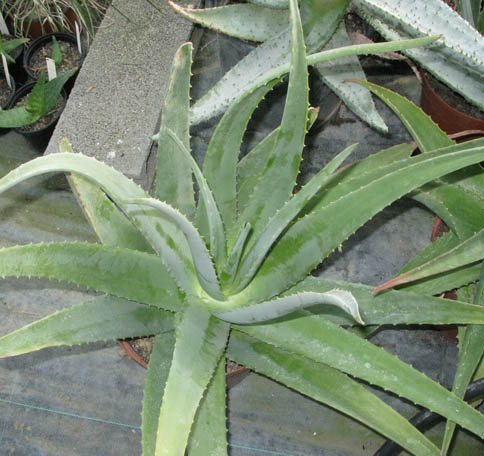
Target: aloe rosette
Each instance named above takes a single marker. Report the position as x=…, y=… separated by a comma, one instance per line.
x=228, y=274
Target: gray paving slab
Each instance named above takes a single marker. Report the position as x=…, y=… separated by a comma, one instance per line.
x=114, y=107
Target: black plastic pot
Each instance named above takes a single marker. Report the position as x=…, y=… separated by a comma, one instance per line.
x=36, y=45
x=38, y=138
x=7, y=103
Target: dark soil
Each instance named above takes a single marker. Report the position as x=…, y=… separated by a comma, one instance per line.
x=70, y=57
x=43, y=121
x=454, y=99
x=5, y=91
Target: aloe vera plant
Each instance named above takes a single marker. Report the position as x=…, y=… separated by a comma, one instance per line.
x=230, y=275
x=458, y=59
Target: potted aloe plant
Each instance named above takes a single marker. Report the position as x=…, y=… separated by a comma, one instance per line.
x=230, y=276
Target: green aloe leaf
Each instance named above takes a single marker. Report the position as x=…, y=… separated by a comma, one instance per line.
x=166, y=238
x=283, y=218
x=125, y=273
x=279, y=307
x=235, y=255
x=285, y=157
x=99, y=319
x=469, y=251
x=245, y=21
x=335, y=73
x=329, y=386
x=210, y=419
x=156, y=376
x=200, y=342
x=214, y=219
x=306, y=243
x=200, y=255
x=458, y=61
x=110, y=225
x=173, y=179
x=271, y=3
x=389, y=308
x=471, y=348
x=326, y=343
x=220, y=163
x=423, y=129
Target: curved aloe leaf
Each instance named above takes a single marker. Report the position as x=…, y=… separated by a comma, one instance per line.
x=200, y=342
x=270, y=310
x=423, y=129
x=156, y=376
x=215, y=224
x=334, y=73
x=173, y=179
x=330, y=387
x=99, y=319
x=353, y=355
x=469, y=251
x=235, y=255
x=283, y=165
x=245, y=21
x=200, y=255
x=210, y=419
x=220, y=163
x=111, y=226
x=269, y=61
x=470, y=354
x=389, y=308
x=271, y=3
x=283, y=218
x=166, y=239
x=121, y=272
x=459, y=61
x=306, y=243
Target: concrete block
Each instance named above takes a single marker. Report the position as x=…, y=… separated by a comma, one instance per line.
x=114, y=107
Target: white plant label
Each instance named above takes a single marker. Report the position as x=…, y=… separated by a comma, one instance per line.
x=3, y=26
x=5, y=70
x=51, y=69
x=78, y=38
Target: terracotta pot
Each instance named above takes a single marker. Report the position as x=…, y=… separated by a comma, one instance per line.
x=232, y=378
x=449, y=119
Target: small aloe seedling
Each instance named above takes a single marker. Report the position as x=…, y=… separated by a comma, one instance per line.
x=56, y=53
x=7, y=46
x=43, y=97
x=229, y=273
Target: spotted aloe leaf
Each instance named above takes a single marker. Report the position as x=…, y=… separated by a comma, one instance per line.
x=279, y=307
x=200, y=342
x=389, y=308
x=122, y=272
x=220, y=163
x=246, y=21
x=284, y=158
x=210, y=419
x=156, y=376
x=173, y=179
x=214, y=219
x=279, y=222
x=200, y=255
x=165, y=238
x=348, y=353
x=99, y=319
x=314, y=236
x=330, y=387
x=471, y=349
x=458, y=61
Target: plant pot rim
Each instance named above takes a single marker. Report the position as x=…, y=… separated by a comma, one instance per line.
x=449, y=119
x=38, y=42
x=232, y=377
